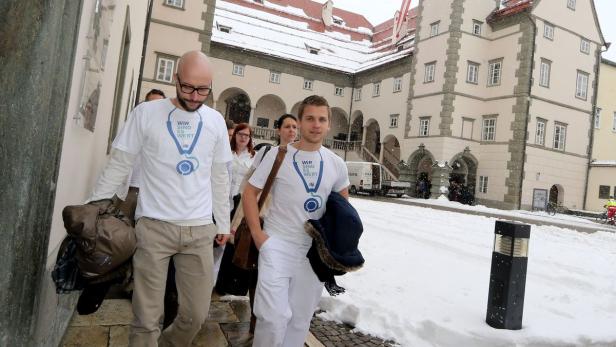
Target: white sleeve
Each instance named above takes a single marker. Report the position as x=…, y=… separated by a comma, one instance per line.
x=261, y=173
x=220, y=197
x=135, y=176
x=114, y=175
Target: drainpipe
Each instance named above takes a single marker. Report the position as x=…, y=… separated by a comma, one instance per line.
x=143, y=50
x=592, y=123
x=346, y=147
x=530, y=89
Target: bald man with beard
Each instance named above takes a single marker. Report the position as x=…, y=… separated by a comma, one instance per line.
x=184, y=150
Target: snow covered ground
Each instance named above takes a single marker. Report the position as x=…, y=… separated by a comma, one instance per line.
x=425, y=282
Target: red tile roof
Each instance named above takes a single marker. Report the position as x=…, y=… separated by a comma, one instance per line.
x=512, y=7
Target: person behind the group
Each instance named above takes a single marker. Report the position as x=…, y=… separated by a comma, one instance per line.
x=154, y=94
x=243, y=155
x=184, y=150
x=288, y=290
x=230, y=128
x=610, y=205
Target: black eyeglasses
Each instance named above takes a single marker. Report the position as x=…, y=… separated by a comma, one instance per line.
x=188, y=89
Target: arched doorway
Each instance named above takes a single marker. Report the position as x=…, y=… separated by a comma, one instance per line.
x=235, y=105
x=295, y=109
x=373, y=137
x=391, y=154
x=268, y=109
x=339, y=125
x=357, y=126
x=420, y=163
x=463, y=177
x=556, y=194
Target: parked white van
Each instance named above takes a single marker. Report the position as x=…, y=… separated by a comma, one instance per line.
x=364, y=177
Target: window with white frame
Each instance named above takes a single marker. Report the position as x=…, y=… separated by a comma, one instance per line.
x=483, y=184
x=597, y=118
x=540, y=132
x=472, y=73
x=165, y=69
x=560, y=136
x=424, y=126
x=223, y=28
x=393, y=120
x=434, y=28
x=312, y=50
x=238, y=69
x=571, y=4
x=357, y=94
x=544, y=73
x=495, y=69
x=477, y=27
x=548, y=31
x=274, y=77
x=430, y=69
x=585, y=46
x=488, y=131
x=376, y=89
x=175, y=3
x=338, y=91
x=308, y=84
x=581, y=85
x=614, y=122
x=397, y=84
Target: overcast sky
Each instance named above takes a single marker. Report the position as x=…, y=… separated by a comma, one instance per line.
x=379, y=11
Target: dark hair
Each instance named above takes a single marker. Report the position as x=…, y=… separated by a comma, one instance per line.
x=314, y=100
x=154, y=92
x=239, y=127
x=280, y=120
x=278, y=123
x=230, y=124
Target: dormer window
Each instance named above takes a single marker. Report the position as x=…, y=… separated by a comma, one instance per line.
x=312, y=50
x=223, y=28
x=258, y=1
x=338, y=20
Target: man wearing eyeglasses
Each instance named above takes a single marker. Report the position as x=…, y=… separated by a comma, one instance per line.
x=184, y=150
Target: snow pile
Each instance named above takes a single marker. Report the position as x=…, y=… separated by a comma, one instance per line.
x=425, y=282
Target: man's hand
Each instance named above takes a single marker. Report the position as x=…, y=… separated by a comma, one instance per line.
x=221, y=239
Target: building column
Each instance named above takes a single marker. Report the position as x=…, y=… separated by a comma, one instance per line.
x=251, y=120
x=382, y=152
x=35, y=75
x=363, y=137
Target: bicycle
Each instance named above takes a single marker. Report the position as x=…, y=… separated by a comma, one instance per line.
x=602, y=218
x=553, y=208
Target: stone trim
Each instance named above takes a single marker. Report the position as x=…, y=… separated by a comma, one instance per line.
x=179, y=26
x=467, y=96
x=412, y=79
x=535, y=17
x=268, y=62
x=545, y=148
x=151, y=80
x=451, y=67
x=205, y=35
x=588, y=112
x=518, y=142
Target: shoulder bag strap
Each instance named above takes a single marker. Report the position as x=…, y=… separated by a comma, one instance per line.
x=282, y=151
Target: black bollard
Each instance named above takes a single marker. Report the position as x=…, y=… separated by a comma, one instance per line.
x=508, y=275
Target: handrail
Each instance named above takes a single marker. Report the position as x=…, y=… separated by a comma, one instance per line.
x=369, y=156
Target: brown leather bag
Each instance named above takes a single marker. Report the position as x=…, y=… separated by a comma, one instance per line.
x=246, y=253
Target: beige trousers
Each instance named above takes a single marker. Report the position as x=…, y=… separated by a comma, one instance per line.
x=191, y=249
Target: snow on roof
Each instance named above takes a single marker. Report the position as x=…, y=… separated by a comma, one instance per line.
x=603, y=163
x=289, y=37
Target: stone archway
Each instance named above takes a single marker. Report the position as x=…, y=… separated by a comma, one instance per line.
x=338, y=125
x=357, y=126
x=557, y=194
x=295, y=109
x=235, y=105
x=268, y=109
x=420, y=163
x=373, y=137
x=463, y=177
x=391, y=154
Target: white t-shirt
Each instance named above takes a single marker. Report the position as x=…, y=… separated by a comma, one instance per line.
x=241, y=165
x=292, y=205
x=175, y=186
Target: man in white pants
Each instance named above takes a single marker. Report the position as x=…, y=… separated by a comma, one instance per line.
x=288, y=290
x=184, y=151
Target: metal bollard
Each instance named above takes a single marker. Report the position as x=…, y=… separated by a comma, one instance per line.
x=508, y=275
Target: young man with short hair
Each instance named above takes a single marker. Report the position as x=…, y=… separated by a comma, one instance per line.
x=288, y=290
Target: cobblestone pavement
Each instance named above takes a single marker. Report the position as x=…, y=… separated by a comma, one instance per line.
x=227, y=326
x=340, y=335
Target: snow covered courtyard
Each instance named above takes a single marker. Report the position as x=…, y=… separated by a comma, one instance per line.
x=425, y=282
